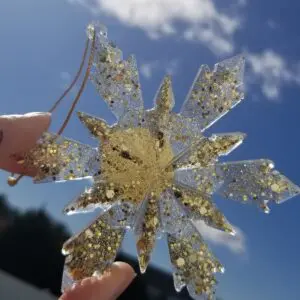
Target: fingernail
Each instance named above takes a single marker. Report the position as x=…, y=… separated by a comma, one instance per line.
x=20, y=132
x=35, y=114
x=31, y=114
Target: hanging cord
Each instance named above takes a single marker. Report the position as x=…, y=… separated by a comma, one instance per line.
x=74, y=80
x=12, y=181
x=82, y=87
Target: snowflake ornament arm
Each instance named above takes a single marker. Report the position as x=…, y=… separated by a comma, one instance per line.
x=60, y=159
x=154, y=172
x=255, y=181
x=214, y=93
x=116, y=80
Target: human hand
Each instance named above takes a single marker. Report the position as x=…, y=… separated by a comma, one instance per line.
x=107, y=287
x=18, y=134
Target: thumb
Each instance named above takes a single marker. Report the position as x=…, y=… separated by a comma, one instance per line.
x=107, y=287
x=19, y=133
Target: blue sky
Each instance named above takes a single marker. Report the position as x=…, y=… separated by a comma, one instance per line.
x=42, y=42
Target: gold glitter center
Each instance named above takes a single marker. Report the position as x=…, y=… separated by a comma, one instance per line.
x=135, y=161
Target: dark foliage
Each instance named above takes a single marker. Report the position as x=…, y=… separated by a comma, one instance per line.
x=30, y=247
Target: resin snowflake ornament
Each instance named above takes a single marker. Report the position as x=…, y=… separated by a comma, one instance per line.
x=154, y=171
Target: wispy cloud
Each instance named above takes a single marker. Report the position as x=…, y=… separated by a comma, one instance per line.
x=241, y=2
x=202, y=19
x=272, y=24
x=172, y=67
x=147, y=69
x=236, y=244
x=273, y=71
x=66, y=79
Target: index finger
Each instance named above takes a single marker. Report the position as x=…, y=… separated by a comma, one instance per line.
x=18, y=134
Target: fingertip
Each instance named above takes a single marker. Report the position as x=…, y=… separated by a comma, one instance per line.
x=123, y=268
x=44, y=120
x=19, y=134
x=40, y=122
x=106, y=287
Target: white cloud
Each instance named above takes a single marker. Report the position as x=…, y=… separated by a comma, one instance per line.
x=236, y=244
x=217, y=45
x=271, y=24
x=202, y=20
x=147, y=69
x=172, y=67
x=273, y=71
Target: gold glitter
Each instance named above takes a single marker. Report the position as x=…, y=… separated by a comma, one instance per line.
x=214, y=93
x=97, y=127
x=110, y=194
x=85, y=258
x=141, y=162
x=154, y=171
x=117, y=82
x=201, y=207
x=180, y=262
x=255, y=181
x=203, y=211
x=193, y=262
x=89, y=233
x=275, y=187
x=165, y=97
x=209, y=149
x=146, y=230
x=58, y=159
